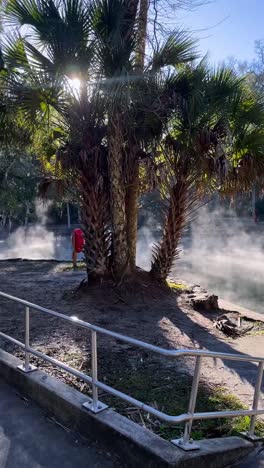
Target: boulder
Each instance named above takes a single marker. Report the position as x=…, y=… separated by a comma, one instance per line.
x=203, y=300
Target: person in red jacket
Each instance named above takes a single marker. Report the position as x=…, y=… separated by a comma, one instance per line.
x=77, y=245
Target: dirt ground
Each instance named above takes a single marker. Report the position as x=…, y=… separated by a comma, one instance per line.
x=159, y=317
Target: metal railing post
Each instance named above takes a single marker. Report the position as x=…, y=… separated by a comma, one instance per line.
x=250, y=434
x=186, y=443
x=27, y=367
x=94, y=405
x=94, y=369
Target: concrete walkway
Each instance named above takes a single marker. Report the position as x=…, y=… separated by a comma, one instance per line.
x=30, y=439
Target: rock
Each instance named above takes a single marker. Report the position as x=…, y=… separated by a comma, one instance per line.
x=202, y=300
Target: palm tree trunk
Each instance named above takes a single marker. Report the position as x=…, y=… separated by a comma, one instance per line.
x=68, y=215
x=133, y=179
x=142, y=34
x=95, y=221
x=117, y=196
x=166, y=251
x=27, y=214
x=132, y=11
x=132, y=213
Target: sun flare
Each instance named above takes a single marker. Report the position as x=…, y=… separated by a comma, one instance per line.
x=74, y=85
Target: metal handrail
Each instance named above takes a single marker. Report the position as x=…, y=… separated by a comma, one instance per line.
x=96, y=406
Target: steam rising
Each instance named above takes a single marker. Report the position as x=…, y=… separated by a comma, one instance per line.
x=225, y=254
x=35, y=242
x=221, y=252
x=147, y=236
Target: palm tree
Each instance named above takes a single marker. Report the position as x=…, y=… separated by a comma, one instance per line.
x=100, y=131
x=216, y=142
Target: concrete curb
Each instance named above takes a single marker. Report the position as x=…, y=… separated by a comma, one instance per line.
x=134, y=445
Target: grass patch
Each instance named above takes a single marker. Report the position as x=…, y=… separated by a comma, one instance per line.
x=170, y=393
x=160, y=386
x=257, y=332
x=176, y=286
x=80, y=267
x=258, y=328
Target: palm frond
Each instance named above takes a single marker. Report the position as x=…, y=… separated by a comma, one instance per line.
x=115, y=36
x=14, y=53
x=178, y=49
x=223, y=86
x=61, y=29
x=38, y=60
x=23, y=12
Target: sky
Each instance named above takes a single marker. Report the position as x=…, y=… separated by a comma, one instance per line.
x=226, y=28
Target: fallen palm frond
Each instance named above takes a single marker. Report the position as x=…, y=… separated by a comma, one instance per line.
x=229, y=328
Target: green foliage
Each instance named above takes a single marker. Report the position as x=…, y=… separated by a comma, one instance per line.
x=176, y=286
x=18, y=185
x=81, y=266
x=169, y=392
x=178, y=49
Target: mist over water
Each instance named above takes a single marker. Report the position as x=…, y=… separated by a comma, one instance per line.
x=220, y=252
x=225, y=254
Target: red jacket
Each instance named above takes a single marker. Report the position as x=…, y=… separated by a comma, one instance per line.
x=78, y=240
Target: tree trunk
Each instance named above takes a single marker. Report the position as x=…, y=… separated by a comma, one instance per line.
x=167, y=250
x=117, y=196
x=142, y=34
x=79, y=214
x=254, y=203
x=68, y=215
x=132, y=6
x=95, y=222
x=94, y=207
x=132, y=213
x=27, y=214
x=133, y=177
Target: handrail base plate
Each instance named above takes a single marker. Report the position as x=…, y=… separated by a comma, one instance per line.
x=251, y=438
x=188, y=446
x=90, y=406
x=26, y=371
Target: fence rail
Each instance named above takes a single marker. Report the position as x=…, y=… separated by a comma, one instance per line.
x=96, y=406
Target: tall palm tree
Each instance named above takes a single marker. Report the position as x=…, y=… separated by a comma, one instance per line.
x=215, y=142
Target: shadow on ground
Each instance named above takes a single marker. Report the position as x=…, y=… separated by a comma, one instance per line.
x=154, y=315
